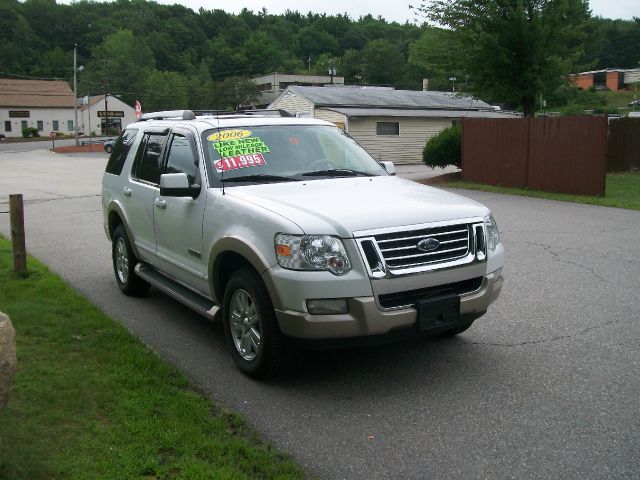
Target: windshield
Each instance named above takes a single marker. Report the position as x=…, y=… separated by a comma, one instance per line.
x=280, y=153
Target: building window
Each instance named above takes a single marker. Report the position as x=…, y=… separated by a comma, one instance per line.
x=56, y=126
x=70, y=125
x=40, y=125
x=387, y=128
x=7, y=125
x=23, y=124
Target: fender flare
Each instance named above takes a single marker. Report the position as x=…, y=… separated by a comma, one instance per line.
x=115, y=207
x=251, y=254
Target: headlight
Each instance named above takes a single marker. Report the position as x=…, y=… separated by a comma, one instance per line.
x=493, y=235
x=312, y=252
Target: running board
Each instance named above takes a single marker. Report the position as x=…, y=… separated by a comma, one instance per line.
x=184, y=295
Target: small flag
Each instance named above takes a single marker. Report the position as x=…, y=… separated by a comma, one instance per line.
x=138, y=110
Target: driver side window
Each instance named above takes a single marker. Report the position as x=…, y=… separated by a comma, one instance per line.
x=181, y=158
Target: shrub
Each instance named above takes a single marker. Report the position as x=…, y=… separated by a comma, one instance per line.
x=30, y=132
x=444, y=149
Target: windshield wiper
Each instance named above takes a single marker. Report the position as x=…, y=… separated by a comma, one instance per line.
x=259, y=178
x=338, y=172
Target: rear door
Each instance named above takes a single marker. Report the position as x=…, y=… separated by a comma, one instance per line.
x=139, y=198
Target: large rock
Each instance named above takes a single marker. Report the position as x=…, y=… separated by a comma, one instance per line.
x=8, y=360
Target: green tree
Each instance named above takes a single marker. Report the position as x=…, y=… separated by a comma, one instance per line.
x=313, y=41
x=237, y=92
x=121, y=63
x=382, y=62
x=511, y=50
x=165, y=91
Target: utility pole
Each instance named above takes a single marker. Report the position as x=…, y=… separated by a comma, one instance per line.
x=106, y=105
x=75, y=92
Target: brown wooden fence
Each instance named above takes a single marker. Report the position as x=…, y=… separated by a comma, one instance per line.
x=624, y=145
x=563, y=155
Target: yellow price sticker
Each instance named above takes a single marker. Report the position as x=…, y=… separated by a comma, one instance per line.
x=228, y=135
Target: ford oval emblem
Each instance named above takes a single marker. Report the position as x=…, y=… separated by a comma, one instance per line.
x=428, y=244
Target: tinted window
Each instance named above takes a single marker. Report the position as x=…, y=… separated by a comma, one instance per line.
x=387, y=128
x=149, y=165
x=120, y=151
x=181, y=158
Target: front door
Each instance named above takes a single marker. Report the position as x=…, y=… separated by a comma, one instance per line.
x=178, y=220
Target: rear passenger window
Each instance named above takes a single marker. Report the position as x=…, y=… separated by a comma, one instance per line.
x=120, y=151
x=181, y=158
x=148, y=162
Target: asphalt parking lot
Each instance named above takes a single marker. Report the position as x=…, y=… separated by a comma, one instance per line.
x=546, y=385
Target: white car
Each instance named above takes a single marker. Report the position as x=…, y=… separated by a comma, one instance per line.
x=291, y=229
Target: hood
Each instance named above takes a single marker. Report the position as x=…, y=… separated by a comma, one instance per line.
x=341, y=206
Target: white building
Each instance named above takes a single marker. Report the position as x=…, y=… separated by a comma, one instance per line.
x=46, y=105
x=93, y=113
x=390, y=124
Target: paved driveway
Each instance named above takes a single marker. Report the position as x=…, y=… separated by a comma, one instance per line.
x=544, y=386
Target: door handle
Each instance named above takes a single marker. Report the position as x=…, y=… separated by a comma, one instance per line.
x=126, y=191
x=160, y=203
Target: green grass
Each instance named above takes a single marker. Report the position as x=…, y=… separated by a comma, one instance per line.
x=90, y=401
x=622, y=191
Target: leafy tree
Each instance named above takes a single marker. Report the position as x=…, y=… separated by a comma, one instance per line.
x=313, y=41
x=383, y=62
x=510, y=50
x=236, y=93
x=166, y=91
x=122, y=63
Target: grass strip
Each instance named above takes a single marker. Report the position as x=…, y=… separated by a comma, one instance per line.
x=89, y=400
x=622, y=191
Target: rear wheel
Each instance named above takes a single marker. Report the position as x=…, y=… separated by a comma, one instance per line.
x=124, y=263
x=256, y=343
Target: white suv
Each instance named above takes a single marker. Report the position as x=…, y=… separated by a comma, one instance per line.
x=291, y=229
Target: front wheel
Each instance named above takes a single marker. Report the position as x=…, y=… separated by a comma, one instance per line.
x=256, y=343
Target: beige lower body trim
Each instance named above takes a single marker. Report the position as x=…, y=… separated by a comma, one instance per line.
x=365, y=318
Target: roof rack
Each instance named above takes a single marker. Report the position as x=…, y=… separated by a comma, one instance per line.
x=169, y=115
x=191, y=115
x=257, y=113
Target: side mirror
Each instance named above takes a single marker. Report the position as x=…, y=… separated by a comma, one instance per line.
x=389, y=167
x=177, y=185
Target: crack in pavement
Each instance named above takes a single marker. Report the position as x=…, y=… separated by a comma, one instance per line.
x=553, y=339
x=556, y=257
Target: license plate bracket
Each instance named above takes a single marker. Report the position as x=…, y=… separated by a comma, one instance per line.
x=438, y=312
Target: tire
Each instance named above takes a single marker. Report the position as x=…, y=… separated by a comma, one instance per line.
x=124, y=262
x=257, y=346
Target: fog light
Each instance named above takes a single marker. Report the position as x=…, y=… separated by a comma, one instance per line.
x=327, y=306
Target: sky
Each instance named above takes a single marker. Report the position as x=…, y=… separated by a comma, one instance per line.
x=389, y=10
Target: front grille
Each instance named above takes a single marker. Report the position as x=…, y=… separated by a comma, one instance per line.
x=400, y=249
x=409, y=298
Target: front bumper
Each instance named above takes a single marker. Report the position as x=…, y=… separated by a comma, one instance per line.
x=365, y=318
